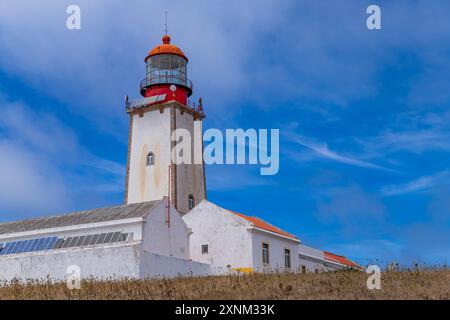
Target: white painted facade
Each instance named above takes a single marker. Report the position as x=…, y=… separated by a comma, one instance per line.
x=154, y=250
x=235, y=242
x=311, y=259
x=151, y=132
x=277, y=247
x=103, y=262
x=162, y=239
x=228, y=237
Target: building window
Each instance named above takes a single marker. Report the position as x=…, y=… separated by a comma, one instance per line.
x=287, y=258
x=205, y=249
x=191, y=202
x=265, y=253
x=150, y=159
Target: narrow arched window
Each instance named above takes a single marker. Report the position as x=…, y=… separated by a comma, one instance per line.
x=191, y=201
x=150, y=159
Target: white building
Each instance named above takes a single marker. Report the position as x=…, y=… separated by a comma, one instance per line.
x=231, y=240
x=315, y=260
x=133, y=241
x=167, y=227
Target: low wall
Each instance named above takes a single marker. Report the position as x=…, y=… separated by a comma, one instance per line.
x=101, y=263
x=112, y=261
x=157, y=266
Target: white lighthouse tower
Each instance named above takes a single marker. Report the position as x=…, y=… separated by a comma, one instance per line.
x=151, y=173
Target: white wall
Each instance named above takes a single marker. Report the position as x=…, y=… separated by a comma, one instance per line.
x=190, y=179
x=157, y=266
x=117, y=261
x=162, y=240
x=151, y=133
x=229, y=242
x=277, y=245
x=312, y=259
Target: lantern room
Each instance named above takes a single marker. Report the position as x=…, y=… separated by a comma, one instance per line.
x=166, y=72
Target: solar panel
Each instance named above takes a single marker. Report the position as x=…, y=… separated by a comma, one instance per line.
x=6, y=249
x=94, y=239
x=51, y=243
x=101, y=239
x=73, y=242
x=45, y=243
x=146, y=101
x=87, y=240
x=80, y=241
x=115, y=237
x=12, y=248
x=3, y=251
x=109, y=237
x=66, y=242
x=27, y=246
x=19, y=247
x=33, y=245
x=58, y=243
x=36, y=244
x=127, y=236
x=39, y=244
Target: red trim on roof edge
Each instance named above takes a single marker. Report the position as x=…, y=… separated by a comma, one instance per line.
x=341, y=259
x=261, y=224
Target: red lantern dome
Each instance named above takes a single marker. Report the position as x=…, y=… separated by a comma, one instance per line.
x=166, y=48
x=167, y=73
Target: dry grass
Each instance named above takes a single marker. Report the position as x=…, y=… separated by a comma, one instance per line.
x=428, y=284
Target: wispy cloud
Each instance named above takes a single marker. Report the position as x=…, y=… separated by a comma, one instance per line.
x=420, y=184
x=418, y=141
x=322, y=150
x=43, y=166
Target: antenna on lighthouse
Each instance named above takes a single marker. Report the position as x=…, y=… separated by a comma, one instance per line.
x=165, y=25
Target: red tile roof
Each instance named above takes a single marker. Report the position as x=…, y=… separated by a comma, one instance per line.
x=340, y=259
x=261, y=224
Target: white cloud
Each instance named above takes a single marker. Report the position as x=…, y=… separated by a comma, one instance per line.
x=28, y=184
x=43, y=168
x=323, y=151
x=420, y=184
x=237, y=49
x=418, y=141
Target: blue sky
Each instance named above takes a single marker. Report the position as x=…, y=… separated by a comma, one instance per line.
x=364, y=116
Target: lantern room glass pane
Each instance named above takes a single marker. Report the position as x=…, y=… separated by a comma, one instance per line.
x=167, y=68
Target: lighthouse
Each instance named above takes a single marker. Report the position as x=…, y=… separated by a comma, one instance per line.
x=164, y=107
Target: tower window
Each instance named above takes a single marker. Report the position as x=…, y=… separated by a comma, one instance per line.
x=205, y=249
x=191, y=201
x=150, y=159
x=265, y=253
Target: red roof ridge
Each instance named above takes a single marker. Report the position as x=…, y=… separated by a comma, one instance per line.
x=262, y=224
x=340, y=259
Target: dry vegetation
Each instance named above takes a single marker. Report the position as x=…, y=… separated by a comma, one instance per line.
x=427, y=284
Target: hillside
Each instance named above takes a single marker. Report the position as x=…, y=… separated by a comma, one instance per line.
x=428, y=284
